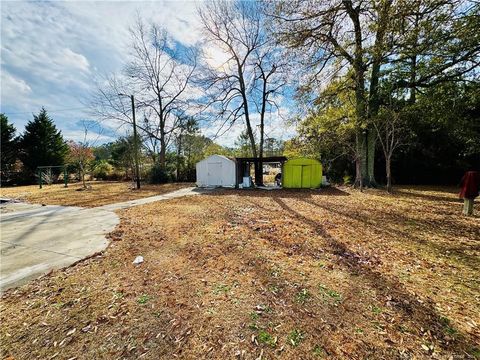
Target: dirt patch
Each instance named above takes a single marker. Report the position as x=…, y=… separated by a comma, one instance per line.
x=98, y=193
x=248, y=274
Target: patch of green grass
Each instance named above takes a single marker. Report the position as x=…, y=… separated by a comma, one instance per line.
x=331, y=294
x=117, y=295
x=358, y=331
x=254, y=315
x=143, y=299
x=303, y=296
x=221, y=289
x=265, y=338
x=318, y=351
x=295, y=337
x=375, y=309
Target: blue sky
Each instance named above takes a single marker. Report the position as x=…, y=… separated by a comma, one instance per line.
x=52, y=53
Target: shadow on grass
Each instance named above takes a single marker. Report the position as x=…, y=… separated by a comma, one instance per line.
x=423, y=314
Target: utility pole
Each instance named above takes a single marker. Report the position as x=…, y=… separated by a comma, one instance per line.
x=135, y=140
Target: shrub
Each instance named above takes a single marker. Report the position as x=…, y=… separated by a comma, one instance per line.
x=159, y=175
x=102, y=170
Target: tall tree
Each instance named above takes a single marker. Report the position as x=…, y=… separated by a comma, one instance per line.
x=9, y=147
x=42, y=144
x=159, y=74
x=245, y=83
x=334, y=35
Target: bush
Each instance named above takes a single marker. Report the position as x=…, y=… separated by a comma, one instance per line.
x=102, y=170
x=159, y=175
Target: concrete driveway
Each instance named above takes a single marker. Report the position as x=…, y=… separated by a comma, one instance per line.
x=36, y=239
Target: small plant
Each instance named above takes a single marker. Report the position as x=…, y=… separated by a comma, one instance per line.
x=358, y=331
x=143, y=299
x=302, y=296
x=295, y=337
x=329, y=293
x=254, y=316
x=266, y=338
x=376, y=310
x=318, y=351
x=221, y=289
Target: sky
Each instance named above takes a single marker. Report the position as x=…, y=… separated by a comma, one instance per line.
x=53, y=54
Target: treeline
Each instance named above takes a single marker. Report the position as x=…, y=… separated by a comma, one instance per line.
x=42, y=144
x=387, y=91
x=393, y=87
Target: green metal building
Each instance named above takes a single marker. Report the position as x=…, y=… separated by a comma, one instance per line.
x=302, y=173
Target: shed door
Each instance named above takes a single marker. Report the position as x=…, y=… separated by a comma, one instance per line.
x=297, y=176
x=306, y=176
x=214, y=175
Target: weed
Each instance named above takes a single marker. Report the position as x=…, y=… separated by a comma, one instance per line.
x=302, y=296
x=143, y=299
x=295, y=337
x=318, y=351
x=329, y=293
x=254, y=316
x=358, y=331
x=221, y=289
x=266, y=338
x=117, y=295
x=375, y=309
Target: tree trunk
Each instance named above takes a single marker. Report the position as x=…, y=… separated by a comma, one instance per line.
x=179, y=150
x=359, y=163
x=163, y=151
x=389, y=174
x=82, y=174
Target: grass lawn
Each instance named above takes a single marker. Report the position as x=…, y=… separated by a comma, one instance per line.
x=254, y=274
x=100, y=193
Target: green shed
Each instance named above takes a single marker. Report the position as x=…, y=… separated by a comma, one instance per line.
x=302, y=173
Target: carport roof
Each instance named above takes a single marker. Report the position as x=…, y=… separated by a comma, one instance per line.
x=267, y=159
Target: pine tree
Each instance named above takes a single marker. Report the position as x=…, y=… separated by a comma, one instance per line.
x=42, y=144
x=8, y=146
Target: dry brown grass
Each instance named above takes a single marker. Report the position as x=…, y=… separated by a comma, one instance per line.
x=282, y=274
x=99, y=193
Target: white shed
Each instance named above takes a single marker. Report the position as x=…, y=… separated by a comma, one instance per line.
x=216, y=170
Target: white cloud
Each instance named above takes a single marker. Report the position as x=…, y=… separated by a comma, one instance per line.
x=71, y=59
x=12, y=85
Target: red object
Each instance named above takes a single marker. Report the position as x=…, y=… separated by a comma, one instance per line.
x=470, y=184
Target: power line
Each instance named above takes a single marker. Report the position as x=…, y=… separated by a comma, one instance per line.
x=48, y=111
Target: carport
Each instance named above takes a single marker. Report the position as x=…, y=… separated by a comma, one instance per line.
x=244, y=165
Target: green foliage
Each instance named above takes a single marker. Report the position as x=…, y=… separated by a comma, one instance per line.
x=266, y=338
x=158, y=174
x=102, y=170
x=9, y=147
x=295, y=337
x=42, y=144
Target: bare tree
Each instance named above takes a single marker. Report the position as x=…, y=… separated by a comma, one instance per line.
x=392, y=133
x=160, y=77
x=248, y=77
